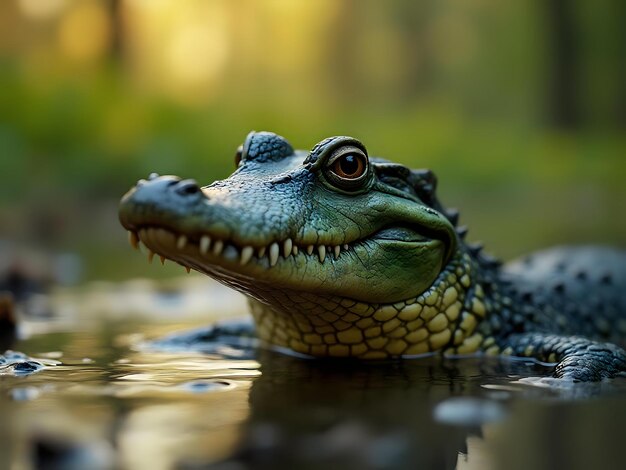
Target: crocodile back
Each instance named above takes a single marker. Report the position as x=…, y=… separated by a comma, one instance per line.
x=573, y=290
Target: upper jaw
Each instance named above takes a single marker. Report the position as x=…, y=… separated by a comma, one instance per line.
x=202, y=238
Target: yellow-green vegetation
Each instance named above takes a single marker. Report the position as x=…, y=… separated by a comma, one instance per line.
x=463, y=89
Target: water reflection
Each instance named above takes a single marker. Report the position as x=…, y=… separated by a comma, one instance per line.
x=138, y=408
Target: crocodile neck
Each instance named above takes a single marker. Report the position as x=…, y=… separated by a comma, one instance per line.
x=453, y=315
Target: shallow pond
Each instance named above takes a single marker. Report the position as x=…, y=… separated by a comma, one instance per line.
x=106, y=400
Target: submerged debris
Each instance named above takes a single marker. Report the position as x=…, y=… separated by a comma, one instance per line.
x=18, y=364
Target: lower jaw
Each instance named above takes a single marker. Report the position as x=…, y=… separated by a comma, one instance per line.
x=309, y=323
x=223, y=261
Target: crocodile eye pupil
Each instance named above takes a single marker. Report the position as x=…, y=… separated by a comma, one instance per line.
x=350, y=166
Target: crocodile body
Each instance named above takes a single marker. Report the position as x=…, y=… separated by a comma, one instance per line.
x=344, y=255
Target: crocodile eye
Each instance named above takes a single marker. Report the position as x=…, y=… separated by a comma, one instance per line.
x=347, y=168
x=350, y=166
x=238, y=155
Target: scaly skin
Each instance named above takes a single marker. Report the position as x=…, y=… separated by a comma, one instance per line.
x=343, y=255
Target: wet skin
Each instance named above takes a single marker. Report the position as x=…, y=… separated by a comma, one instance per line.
x=343, y=255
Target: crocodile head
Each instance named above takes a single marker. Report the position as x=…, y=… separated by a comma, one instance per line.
x=319, y=239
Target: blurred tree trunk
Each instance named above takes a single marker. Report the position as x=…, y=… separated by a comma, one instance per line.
x=413, y=20
x=563, y=65
x=343, y=69
x=116, y=49
x=620, y=101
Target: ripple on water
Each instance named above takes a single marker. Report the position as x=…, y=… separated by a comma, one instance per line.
x=186, y=402
x=468, y=411
x=204, y=386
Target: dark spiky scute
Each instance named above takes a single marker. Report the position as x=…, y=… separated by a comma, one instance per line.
x=453, y=216
x=462, y=231
x=475, y=248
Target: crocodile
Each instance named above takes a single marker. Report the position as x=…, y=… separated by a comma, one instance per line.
x=346, y=255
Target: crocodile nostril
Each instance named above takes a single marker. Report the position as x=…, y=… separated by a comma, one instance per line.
x=188, y=187
x=191, y=189
x=153, y=176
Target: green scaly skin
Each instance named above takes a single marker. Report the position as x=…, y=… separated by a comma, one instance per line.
x=343, y=255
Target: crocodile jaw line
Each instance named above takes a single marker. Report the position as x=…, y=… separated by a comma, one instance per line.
x=208, y=251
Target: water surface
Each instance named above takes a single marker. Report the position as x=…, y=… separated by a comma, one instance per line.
x=104, y=400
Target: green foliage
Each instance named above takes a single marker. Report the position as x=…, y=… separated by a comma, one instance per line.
x=458, y=87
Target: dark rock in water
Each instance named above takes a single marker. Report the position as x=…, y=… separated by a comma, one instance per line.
x=18, y=364
x=27, y=367
x=55, y=453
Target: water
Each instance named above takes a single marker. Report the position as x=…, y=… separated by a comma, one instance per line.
x=104, y=400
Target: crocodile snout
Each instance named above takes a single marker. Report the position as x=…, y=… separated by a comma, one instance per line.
x=150, y=198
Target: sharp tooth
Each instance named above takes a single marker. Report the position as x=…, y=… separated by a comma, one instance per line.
x=188, y=269
x=345, y=246
x=162, y=260
x=181, y=242
x=309, y=249
x=218, y=247
x=150, y=256
x=205, y=244
x=262, y=251
x=337, y=251
x=321, y=250
x=246, y=254
x=133, y=240
x=294, y=250
x=287, y=246
x=274, y=253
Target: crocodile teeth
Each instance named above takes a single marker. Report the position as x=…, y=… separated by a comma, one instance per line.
x=246, y=254
x=218, y=247
x=188, y=269
x=205, y=244
x=133, y=239
x=274, y=253
x=287, y=246
x=321, y=250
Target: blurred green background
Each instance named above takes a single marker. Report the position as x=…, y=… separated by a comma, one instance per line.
x=518, y=107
